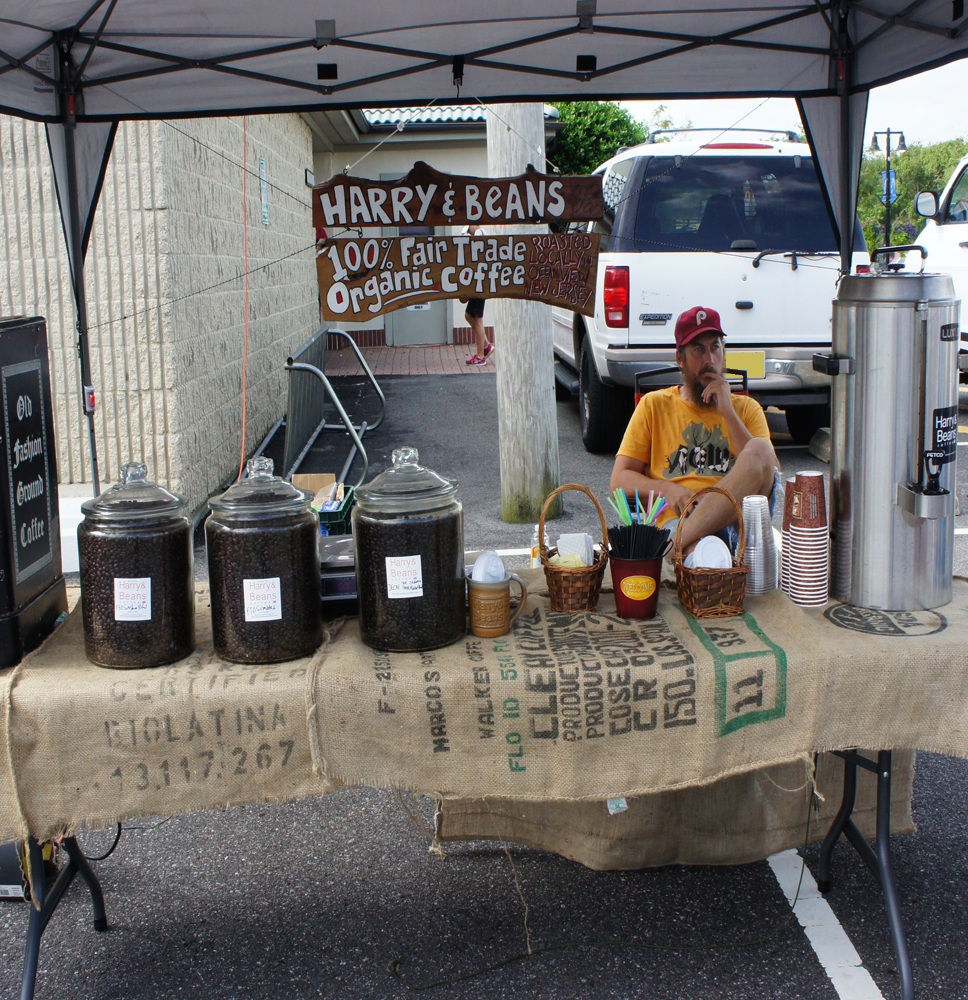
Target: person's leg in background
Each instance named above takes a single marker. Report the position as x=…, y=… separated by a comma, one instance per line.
x=474, y=314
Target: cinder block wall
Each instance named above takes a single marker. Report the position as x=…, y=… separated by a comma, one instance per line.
x=166, y=299
x=205, y=247
x=124, y=274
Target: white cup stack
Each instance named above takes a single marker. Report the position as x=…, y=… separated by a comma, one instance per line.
x=760, y=554
x=806, y=543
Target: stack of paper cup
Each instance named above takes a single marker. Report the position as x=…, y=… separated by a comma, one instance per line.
x=808, y=565
x=842, y=542
x=760, y=554
x=785, y=546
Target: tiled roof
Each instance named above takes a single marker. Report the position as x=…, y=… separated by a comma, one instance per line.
x=450, y=113
x=425, y=116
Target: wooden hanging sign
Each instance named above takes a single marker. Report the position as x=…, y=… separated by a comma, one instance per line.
x=427, y=197
x=359, y=279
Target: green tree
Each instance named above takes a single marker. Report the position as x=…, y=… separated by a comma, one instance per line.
x=594, y=132
x=921, y=168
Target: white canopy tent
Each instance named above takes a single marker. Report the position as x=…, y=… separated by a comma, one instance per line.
x=81, y=66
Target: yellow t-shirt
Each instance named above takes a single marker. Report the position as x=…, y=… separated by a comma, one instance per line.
x=683, y=443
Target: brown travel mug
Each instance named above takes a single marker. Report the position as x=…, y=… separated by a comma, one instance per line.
x=490, y=605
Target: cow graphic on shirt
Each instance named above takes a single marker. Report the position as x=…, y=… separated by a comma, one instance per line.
x=703, y=451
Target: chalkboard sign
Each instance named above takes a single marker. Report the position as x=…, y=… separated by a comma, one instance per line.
x=25, y=427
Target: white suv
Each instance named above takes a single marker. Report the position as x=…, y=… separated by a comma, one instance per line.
x=739, y=225
x=945, y=237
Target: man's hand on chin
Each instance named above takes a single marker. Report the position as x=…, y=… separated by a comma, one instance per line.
x=717, y=392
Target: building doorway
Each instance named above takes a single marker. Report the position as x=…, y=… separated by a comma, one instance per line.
x=424, y=322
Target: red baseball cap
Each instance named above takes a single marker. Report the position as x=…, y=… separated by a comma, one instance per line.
x=694, y=321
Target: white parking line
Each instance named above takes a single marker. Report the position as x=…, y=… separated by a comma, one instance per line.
x=837, y=955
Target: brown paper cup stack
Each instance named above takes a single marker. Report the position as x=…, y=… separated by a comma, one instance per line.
x=785, y=554
x=808, y=566
x=842, y=542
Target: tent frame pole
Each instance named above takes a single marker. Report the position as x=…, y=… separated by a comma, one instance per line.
x=68, y=113
x=845, y=71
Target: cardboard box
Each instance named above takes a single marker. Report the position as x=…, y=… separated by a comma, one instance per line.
x=313, y=481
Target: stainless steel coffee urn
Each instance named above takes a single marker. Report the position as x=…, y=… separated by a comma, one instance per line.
x=894, y=439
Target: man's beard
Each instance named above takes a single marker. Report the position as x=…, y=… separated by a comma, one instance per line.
x=697, y=386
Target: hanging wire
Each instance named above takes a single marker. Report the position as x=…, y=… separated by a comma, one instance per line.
x=629, y=945
x=205, y=146
x=235, y=163
x=400, y=127
x=207, y=288
x=540, y=152
x=652, y=180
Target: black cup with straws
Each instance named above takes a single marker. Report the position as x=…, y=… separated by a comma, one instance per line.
x=637, y=537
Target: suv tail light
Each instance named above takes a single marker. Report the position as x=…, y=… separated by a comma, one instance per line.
x=862, y=269
x=616, y=296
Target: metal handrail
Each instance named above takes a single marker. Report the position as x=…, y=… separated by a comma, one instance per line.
x=369, y=375
x=355, y=433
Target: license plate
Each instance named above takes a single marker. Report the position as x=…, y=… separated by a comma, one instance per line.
x=752, y=362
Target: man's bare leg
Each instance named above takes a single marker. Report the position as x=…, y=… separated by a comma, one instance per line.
x=752, y=475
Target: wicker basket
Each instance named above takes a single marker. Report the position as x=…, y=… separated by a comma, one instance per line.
x=712, y=593
x=573, y=588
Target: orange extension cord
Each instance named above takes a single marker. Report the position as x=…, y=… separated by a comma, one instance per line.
x=245, y=243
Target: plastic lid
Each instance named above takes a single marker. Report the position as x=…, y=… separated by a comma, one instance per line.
x=135, y=497
x=406, y=487
x=261, y=493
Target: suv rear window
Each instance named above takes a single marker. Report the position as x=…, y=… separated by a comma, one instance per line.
x=710, y=202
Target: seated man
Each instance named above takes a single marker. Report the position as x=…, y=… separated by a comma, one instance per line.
x=684, y=438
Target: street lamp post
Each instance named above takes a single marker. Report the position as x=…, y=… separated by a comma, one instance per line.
x=900, y=147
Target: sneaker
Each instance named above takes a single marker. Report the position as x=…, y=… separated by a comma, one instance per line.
x=488, y=351
x=476, y=360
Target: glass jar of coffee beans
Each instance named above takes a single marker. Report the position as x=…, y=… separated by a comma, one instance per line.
x=263, y=568
x=408, y=534
x=136, y=562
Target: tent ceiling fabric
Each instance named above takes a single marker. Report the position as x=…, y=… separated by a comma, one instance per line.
x=145, y=58
x=93, y=142
x=77, y=63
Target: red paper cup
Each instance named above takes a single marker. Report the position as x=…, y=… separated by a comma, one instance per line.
x=636, y=583
x=788, y=488
x=809, y=502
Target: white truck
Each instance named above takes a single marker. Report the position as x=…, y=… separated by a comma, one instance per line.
x=736, y=222
x=945, y=237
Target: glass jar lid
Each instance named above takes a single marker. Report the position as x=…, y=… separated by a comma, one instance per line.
x=134, y=498
x=261, y=493
x=405, y=487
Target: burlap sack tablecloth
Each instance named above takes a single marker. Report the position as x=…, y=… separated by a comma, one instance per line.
x=567, y=708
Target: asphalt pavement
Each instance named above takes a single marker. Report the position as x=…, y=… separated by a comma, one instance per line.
x=340, y=897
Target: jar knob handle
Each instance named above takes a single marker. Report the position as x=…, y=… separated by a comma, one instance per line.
x=405, y=456
x=134, y=472
x=259, y=467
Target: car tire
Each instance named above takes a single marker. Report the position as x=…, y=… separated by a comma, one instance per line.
x=603, y=410
x=804, y=421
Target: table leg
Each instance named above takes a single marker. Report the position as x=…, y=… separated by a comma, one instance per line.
x=35, y=924
x=883, y=845
x=86, y=872
x=46, y=902
x=841, y=820
x=878, y=859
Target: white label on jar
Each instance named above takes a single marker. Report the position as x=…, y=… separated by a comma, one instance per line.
x=404, y=576
x=132, y=599
x=263, y=600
